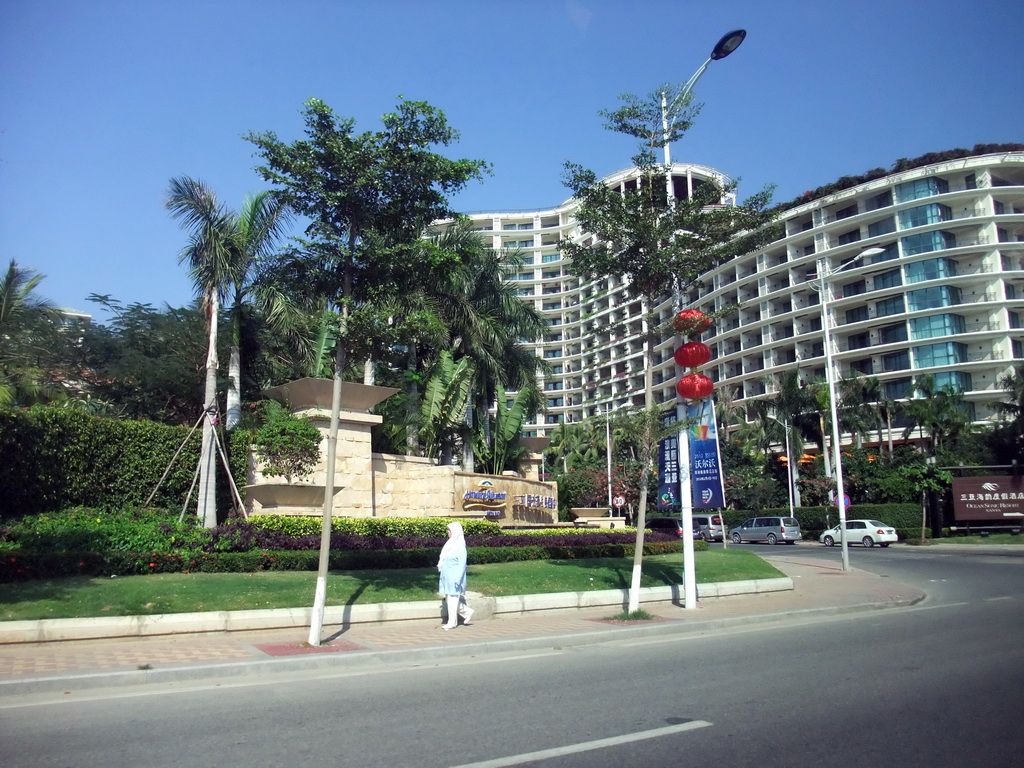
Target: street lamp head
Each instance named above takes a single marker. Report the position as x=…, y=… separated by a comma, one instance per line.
x=868, y=252
x=729, y=43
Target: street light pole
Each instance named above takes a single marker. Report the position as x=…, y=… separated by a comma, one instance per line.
x=824, y=288
x=728, y=43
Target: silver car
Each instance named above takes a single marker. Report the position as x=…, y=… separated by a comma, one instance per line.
x=769, y=529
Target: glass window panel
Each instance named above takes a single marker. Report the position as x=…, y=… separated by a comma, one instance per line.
x=925, y=242
x=924, y=214
x=958, y=380
x=896, y=388
x=883, y=227
x=855, y=315
x=937, y=325
x=891, y=334
x=890, y=306
x=888, y=279
x=914, y=190
x=896, y=361
x=931, y=298
x=947, y=353
x=931, y=269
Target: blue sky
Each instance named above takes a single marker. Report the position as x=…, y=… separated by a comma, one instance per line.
x=102, y=102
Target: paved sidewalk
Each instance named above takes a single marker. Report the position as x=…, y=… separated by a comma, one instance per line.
x=820, y=587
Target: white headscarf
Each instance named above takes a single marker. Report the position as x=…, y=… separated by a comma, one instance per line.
x=455, y=542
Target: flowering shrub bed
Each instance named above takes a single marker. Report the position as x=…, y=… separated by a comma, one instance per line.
x=121, y=542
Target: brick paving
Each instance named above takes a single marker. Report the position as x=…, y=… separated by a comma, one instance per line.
x=818, y=585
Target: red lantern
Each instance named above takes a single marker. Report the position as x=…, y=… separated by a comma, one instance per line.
x=691, y=322
x=696, y=386
x=692, y=354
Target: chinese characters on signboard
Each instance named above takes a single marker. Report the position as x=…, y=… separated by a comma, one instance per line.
x=988, y=498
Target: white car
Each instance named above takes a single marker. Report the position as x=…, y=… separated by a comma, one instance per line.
x=867, y=532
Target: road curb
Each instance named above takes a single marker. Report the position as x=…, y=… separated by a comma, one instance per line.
x=49, y=630
x=221, y=673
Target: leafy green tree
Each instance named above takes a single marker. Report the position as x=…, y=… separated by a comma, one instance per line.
x=30, y=341
x=939, y=412
x=145, y=362
x=661, y=245
x=444, y=406
x=1011, y=407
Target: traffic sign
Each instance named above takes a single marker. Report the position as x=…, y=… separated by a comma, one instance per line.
x=619, y=501
x=846, y=501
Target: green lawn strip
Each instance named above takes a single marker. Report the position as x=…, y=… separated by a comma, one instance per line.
x=84, y=597
x=992, y=538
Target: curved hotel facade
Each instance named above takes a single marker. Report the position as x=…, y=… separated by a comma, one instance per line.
x=945, y=296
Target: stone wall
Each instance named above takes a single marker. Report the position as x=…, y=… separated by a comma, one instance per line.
x=385, y=485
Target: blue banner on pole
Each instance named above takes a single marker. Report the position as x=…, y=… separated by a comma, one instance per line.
x=705, y=469
x=668, y=470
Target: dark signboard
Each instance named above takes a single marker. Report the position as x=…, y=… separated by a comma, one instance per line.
x=988, y=498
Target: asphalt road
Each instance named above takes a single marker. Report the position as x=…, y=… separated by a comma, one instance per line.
x=934, y=685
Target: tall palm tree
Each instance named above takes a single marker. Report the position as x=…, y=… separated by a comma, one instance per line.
x=939, y=412
x=857, y=414
x=257, y=229
x=23, y=317
x=794, y=406
x=1012, y=406
x=211, y=256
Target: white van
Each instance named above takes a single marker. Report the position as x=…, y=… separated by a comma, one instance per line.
x=712, y=527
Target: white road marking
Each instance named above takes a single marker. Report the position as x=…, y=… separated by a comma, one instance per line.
x=587, y=746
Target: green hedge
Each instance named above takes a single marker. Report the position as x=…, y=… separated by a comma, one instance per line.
x=56, y=458
x=372, y=526
x=814, y=520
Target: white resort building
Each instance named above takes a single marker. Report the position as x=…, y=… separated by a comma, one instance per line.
x=942, y=294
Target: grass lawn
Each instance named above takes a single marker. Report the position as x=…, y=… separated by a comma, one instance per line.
x=83, y=597
x=992, y=538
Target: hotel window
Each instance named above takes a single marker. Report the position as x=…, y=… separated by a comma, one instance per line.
x=955, y=380
x=890, y=306
x=526, y=291
x=1017, y=348
x=526, y=226
x=552, y=275
x=553, y=386
x=883, y=227
x=525, y=276
x=527, y=260
x=526, y=243
x=553, y=305
x=889, y=253
x=556, y=402
x=853, y=289
x=849, y=237
x=878, y=201
x=946, y=353
x=888, y=279
x=896, y=389
x=553, y=337
x=892, y=334
x=556, y=369
x=859, y=340
x=925, y=214
x=552, y=353
x=847, y=212
x=547, y=258
x=931, y=269
x=896, y=361
x=914, y=190
x=862, y=367
x=553, y=419
x=926, y=242
x=931, y=298
x=937, y=325
x=855, y=315
x=508, y=226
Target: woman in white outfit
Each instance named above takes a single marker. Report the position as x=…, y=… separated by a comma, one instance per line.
x=452, y=583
